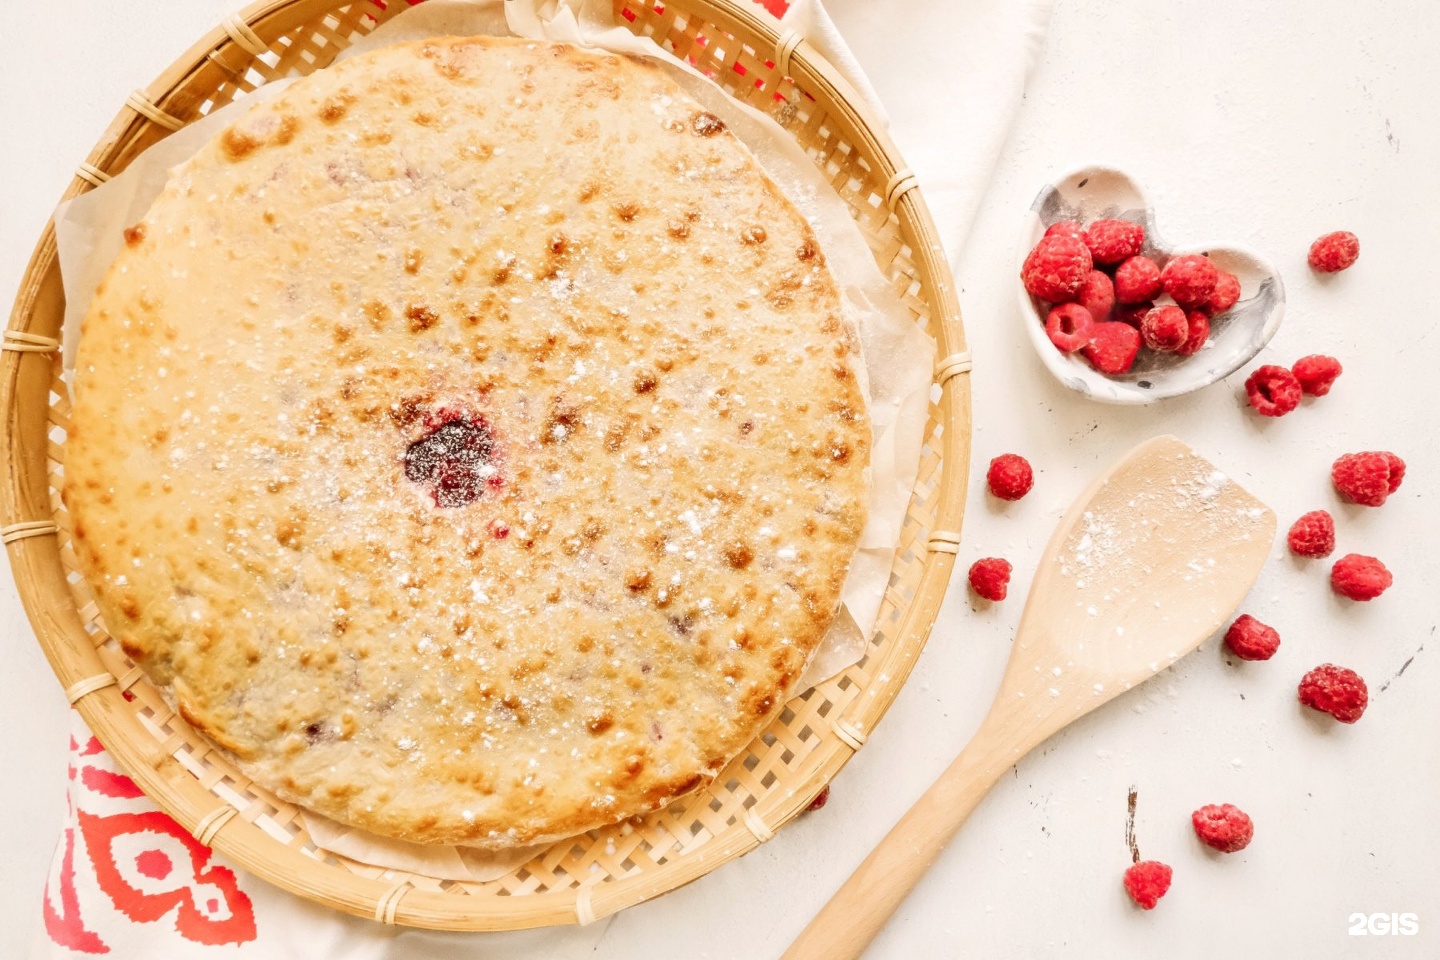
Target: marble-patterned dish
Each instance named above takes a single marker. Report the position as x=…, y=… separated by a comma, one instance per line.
x=1236, y=336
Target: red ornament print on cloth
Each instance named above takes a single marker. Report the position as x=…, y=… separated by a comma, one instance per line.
x=135, y=856
x=64, y=926
x=141, y=861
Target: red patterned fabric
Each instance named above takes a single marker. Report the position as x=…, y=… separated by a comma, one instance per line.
x=127, y=875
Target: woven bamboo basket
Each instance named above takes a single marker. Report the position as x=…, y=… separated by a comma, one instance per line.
x=748, y=53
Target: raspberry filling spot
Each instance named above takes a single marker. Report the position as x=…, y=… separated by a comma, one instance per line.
x=454, y=461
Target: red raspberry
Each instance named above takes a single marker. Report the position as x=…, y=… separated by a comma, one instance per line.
x=1069, y=326
x=1313, y=535
x=1190, y=280
x=1337, y=691
x=1066, y=228
x=1368, y=478
x=1137, y=279
x=1359, y=577
x=1334, y=251
x=1317, y=373
x=1111, y=241
x=1147, y=881
x=1112, y=347
x=1056, y=269
x=1223, y=826
x=1249, y=639
x=1225, y=295
x=820, y=800
x=1133, y=313
x=1273, y=391
x=1165, y=329
x=1010, y=476
x=1199, y=333
x=990, y=578
x=1097, y=294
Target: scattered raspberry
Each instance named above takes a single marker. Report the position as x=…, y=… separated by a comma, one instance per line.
x=1225, y=295
x=1334, y=251
x=1112, y=347
x=1066, y=228
x=1317, y=373
x=1137, y=279
x=1313, y=535
x=820, y=799
x=1165, y=329
x=1111, y=241
x=1360, y=577
x=1223, y=826
x=1337, y=691
x=1199, y=333
x=1147, y=881
x=1097, y=294
x=1273, y=391
x=1010, y=476
x=1069, y=326
x=990, y=578
x=1368, y=478
x=1056, y=269
x=1190, y=280
x=1249, y=639
x=1133, y=313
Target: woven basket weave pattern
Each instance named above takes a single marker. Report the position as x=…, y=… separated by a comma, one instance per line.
x=580, y=879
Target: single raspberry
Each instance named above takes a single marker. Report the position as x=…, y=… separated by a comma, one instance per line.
x=1056, y=269
x=1334, y=251
x=1069, y=326
x=1273, y=391
x=1359, y=577
x=1249, y=639
x=1112, y=347
x=1368, y=478
x=1190, y=279
x=1097, y=294
x=1199, y=333
x=1137, y=279
x=990, y=578
x=1313, y=535
x=1147, y=881
x=1165, y=329
x=1337, y=691
x=1223, y=826
x=1317, y=373
x=1111, y=241
x=1133, y=313
x=1010, y=476
x=1225, y=295
x=1066, y=228
x=820, y=800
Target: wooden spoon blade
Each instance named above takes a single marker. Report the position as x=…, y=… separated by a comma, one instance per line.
x=1147, y=563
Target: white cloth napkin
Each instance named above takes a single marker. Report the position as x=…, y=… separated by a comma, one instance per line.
x=950, y=73
x=128, y=882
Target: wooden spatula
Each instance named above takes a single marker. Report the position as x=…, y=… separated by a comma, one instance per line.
x=1148, y=562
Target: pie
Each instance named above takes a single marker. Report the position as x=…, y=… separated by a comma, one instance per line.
x=470, y=442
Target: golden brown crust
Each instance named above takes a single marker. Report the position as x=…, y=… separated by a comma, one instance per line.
x=556, y=265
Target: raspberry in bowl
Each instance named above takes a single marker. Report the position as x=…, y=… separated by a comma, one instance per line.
x=1097, y=224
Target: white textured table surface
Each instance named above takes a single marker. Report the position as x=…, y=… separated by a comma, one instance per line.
x=1266, y=127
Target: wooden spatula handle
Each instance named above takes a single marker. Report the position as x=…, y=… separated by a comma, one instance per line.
x=852, y=918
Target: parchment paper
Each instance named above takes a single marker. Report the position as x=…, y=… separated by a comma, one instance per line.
x=897, y=356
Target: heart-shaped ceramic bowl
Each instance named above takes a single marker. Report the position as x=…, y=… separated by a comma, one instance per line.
x=1236, y=336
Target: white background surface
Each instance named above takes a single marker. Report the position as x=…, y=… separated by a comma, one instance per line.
x=1266, y=123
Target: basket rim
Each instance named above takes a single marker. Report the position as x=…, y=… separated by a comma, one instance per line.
x=41, y=581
